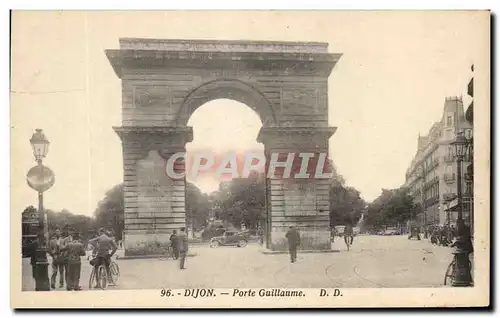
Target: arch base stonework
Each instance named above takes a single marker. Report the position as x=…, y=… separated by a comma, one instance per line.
x=302, y=203
x=154, y=204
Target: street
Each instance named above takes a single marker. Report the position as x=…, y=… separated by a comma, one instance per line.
x=373, y=261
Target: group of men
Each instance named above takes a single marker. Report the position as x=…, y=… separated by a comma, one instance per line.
x=179, y=244
x=66, y=249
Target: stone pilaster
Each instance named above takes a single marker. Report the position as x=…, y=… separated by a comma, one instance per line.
x=303, y=203
x=154, y=203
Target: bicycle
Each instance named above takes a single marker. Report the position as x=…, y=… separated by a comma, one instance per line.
x=449, y=275
x=167, y=252
x=99, y=276
x=114, y=271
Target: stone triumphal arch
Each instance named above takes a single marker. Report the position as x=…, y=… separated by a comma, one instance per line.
x=165, y=81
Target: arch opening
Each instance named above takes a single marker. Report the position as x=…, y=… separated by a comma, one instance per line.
x=223, y=129
x=224, y=132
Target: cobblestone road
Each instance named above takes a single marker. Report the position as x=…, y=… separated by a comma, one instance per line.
x=373, y=261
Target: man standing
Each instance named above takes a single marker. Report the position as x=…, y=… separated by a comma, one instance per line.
x=348, y=234
x=173, y=243
x=104, y=248
x=261, y=236
x=182, y=243
x=293, y=237
x=75, y=251
x=57, y=259
x=332, y=234
x=65, y=239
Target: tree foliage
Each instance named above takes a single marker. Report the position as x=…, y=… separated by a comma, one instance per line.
x=346, y=204
x=197, y=206
x=393, y=207
x=110, y=211
x=62, y=219
x=241, y=200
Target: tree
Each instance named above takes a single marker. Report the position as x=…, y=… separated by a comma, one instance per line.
x=346, y=204
x=393, y=207
x=110, y=211
x=81, y=223
x=241, y=200
x=197, y=206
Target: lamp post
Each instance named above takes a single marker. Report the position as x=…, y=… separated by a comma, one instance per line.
x=40, y=178
x=462, y=266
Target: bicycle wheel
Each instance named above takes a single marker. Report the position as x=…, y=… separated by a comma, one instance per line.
x=449, y=275
x=102, y=277
x=92, y=278
x=164, y=255
x=115, y=271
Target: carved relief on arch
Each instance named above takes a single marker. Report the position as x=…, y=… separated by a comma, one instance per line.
x=149, y=96
x=231, y=89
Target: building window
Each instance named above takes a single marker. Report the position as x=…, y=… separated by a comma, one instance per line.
x=449, y=121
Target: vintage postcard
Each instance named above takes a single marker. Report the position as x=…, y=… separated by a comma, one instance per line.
x=267, y=159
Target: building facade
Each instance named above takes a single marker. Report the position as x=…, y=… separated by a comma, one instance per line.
x=431, y=176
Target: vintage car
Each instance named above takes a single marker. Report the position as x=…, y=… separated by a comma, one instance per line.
x=229, y=238
x=339, y=230
x=392, y=231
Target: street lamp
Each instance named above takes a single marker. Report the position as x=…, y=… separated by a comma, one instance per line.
x=40, y=145
x=40, y=178
x=462, y=266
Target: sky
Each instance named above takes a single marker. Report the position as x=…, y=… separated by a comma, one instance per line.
x=389, y=86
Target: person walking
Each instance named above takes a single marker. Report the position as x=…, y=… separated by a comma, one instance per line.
x=57, y=259
x=348, y=234
x=75, y=251
x=332, y=234
x=174, y=243
x=182, y=246
x=293, y=237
